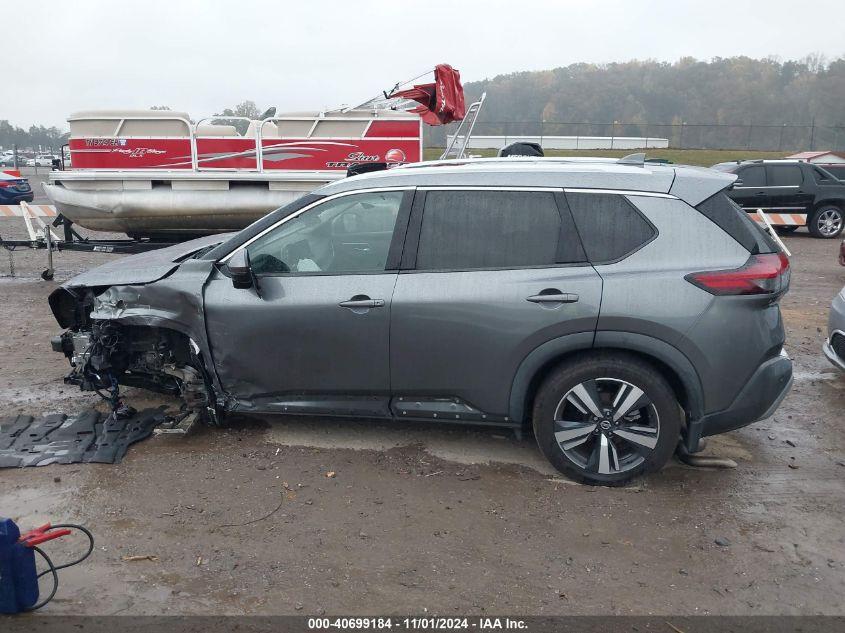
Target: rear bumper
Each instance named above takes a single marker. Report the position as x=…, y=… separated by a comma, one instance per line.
x=759, y=398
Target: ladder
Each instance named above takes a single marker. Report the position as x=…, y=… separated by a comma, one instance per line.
x=460, y=140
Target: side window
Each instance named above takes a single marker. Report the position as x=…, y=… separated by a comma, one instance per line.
x=730, y=217
x=783, y=175
x=753, y=176
x=822, y=176
x=610, y=227
x=488, y=229
x=837, y=171
x=349, y=234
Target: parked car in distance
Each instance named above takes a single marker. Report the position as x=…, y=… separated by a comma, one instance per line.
x=41, y=160
x=791, y=192
x=515, y=292
x=8, y=160
x=14, y=189
x=834, y=345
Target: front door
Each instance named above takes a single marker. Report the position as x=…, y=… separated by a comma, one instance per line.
x=495, y=274
x=313, y=336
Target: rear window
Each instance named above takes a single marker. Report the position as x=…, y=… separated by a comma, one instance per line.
x=474, y=229
x=609, y=226
x=725, y=213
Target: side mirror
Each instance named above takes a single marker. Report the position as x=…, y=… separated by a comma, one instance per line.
x=240, y=270
x=737, y=183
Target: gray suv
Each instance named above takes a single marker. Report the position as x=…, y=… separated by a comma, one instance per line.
x=621, y=309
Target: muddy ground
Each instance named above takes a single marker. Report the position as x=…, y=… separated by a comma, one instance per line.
x=453, y=520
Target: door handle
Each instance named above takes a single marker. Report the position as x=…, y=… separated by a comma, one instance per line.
x=554, y=297
x=362, y=302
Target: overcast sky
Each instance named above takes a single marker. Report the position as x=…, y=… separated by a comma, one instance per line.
x=202, y=56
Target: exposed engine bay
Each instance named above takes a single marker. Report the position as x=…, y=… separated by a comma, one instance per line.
x=106, y=354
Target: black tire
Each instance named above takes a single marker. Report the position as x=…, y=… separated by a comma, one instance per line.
x=786, y=230
x=826, y=222
x=606, y=371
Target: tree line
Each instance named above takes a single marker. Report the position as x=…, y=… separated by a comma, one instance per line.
x=35, y=136
x=722, y=97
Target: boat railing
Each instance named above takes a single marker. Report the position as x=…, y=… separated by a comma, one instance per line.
x=120, y=122
x=255, y=132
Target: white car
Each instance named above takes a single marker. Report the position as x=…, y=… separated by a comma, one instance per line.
x=41, y=160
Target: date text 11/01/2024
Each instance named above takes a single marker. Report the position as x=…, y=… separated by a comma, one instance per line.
x=417, y=624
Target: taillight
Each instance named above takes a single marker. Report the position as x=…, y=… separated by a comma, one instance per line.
x=766, y=274
x=10, y=183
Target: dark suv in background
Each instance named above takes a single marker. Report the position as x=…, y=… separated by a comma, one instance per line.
x=793, y=187
x=617, y=308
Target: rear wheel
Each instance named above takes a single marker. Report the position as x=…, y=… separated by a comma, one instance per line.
x=606, y=418
x=826, y=222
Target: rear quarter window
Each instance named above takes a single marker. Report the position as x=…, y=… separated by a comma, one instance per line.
x=837, y=171
x=610, y=227
x=728, y=216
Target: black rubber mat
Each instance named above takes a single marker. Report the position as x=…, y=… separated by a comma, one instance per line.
x=89, y=436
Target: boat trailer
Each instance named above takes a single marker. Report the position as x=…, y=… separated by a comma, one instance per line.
x=43, y=237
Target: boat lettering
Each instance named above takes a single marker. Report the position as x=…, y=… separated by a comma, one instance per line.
x=105, y=142
x=353, y=158
x=139, y=152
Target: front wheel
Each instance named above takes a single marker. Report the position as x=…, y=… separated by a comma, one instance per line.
x=606, y=418
x=826, y=222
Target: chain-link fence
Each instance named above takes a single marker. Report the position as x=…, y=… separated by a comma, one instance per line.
x=748, y=136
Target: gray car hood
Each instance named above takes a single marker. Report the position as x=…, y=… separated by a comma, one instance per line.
x=144, y=268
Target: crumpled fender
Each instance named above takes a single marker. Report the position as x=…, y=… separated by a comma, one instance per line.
x=175, y=302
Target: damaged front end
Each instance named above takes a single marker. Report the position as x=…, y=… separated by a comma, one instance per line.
x=107, y=348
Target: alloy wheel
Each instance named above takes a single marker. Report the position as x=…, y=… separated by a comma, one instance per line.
x=606, y=426
x=829, y=222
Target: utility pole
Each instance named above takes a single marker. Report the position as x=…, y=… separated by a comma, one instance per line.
x=813, y=134
x=15, y=155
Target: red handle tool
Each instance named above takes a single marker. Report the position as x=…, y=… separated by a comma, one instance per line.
x=41, y=535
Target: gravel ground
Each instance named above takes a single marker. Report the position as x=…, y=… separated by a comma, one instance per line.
x=246, y=519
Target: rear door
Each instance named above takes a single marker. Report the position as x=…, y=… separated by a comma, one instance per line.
x=787, y=192
x=488, y=276
x=749, y=191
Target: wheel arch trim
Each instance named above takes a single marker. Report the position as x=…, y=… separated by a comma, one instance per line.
x=828, y=202
x=650, y=347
